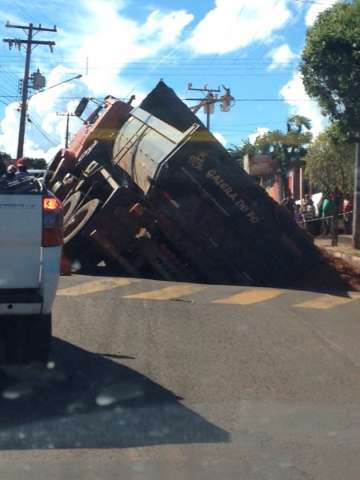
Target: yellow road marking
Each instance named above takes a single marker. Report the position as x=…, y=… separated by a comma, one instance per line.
x=249, y=297
x=325, y=302
x=96, y=286
x=168, y=293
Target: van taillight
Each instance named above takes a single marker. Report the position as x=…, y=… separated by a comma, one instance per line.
x=52, y=234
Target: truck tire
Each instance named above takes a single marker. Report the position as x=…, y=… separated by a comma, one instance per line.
x=26, y=339
x=79, y=219
x=96, y=151
x=70, y=205
x=63, y=162
x=76, y=246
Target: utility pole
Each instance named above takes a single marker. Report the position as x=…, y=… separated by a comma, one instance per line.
x=208, y=102
x=29, y=42
x=356, y=206
x=67, y=115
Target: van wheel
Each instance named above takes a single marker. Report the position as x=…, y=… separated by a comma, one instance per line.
x=26, y=339
x=39, y=338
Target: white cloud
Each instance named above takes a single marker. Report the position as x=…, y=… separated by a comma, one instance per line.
x=315, y=9
x=295, y=95
x=259, y=132
x=234, y=24
x=110, y=41
x=281, y=56
x=220, y=137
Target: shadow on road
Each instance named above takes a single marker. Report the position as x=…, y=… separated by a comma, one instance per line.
x=88, y=401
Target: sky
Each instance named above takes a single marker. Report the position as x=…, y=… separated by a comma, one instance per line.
x=124, y=47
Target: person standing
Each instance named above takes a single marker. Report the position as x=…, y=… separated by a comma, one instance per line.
x=347, y=209
x=21, y=165
x=11, y=172
x=308, y=201
x=298, y=216
x=289, y=203
x=326, y=212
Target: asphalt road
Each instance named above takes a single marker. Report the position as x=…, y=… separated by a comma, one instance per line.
x=153, y=380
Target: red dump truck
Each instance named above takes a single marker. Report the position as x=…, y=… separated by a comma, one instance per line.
x=155, y=193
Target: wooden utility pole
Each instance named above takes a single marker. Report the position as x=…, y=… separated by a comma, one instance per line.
x=356, y=206
x=67, y=115
x=212, y=97
x=29, y=42
x=207, y=102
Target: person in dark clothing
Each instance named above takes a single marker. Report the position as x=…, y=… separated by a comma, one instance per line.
x=298, y=216
x=289, y=204
x=21, y=165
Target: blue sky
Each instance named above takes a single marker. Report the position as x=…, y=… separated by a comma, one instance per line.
x=125, y=46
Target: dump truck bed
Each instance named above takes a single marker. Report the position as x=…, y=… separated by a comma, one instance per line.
x=215, y=215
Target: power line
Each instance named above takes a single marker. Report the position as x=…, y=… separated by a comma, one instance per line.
x=42, y=132
x=4, y=103
x=312, y=2
x=236, y=99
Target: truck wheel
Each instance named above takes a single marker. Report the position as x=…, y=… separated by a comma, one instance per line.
x=61, y=189
x=79, y=219
x=77, y=247
x=96, y=151
x=54, y=165
x=70, y=205
x=63, y=162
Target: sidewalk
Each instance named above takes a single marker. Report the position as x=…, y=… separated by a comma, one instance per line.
x=343, y=250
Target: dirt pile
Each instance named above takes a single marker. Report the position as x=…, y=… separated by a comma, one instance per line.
x=331, y=275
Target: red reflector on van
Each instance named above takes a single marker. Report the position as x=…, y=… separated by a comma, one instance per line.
x=52, y=237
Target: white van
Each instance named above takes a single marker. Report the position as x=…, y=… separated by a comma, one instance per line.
x=30, y=251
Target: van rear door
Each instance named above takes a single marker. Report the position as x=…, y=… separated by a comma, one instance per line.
x=20, y=240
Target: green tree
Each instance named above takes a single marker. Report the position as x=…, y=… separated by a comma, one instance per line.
x=239, y=151
x=287, y=148
x=330, y=163
x=5, y=157
x=36, y=163
x=331, y=64
x=331, y=72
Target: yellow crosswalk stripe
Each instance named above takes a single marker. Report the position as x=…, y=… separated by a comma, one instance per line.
x=325, y=302
x=96, y=286
x=168, y=293
x=248, y=297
